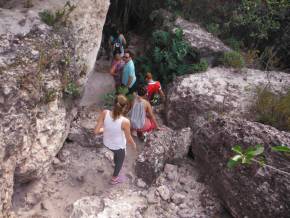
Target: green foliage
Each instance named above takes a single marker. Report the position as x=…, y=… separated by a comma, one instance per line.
x=60, y=16
x=259, y=18
x=47, y=17
x=255, y=155
x=169, y=56
x=256, y=24
x=233, y=59
x=172, y=4
x=161, y=38
x=273, y=109
x=214, y=28
x=72, y=90
x=281, y=149
x=108, y=99
x=245, y=157
x=234, y=43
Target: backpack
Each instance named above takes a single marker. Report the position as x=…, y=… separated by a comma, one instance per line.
x=117, y=44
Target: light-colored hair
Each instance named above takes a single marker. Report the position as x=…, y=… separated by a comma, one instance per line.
x=120, y=106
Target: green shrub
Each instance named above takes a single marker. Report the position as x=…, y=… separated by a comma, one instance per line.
x=214, y=28
x=233, y=59
x=234, y=43
x=273, y=109
x=201, y=66
x=47, y=17
x=161, y=38
x=169, y=56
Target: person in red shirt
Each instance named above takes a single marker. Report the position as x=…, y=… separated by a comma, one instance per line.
x=153, y=88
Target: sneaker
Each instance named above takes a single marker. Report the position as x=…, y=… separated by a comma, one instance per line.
x=145, y=135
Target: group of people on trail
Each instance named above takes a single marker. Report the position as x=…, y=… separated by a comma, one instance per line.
x=116, y=127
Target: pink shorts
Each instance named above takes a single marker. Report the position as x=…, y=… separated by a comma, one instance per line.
x=148, y=126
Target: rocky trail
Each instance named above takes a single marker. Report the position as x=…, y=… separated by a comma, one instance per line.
x=77, y=183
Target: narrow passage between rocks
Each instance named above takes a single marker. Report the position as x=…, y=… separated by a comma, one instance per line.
x=77, y=183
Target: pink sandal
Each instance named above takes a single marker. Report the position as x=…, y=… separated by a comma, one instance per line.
x=119, y=179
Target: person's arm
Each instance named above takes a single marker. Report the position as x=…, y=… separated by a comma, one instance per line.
x=100, y=122
x=124, y=42
x=127, y=130
x=161, y=93
x=130, y=78
x=113, y=70
x=151, y=114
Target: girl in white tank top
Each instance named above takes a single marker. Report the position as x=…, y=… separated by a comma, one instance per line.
x=116, y=133
x=114, y=137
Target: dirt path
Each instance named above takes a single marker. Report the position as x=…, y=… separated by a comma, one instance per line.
x=77, y=184
x=77, y=171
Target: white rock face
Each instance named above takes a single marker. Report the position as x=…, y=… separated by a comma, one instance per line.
x=86, y=207
x=221, y=90
x=37, y=62
x=127, y=205
x=200, y=39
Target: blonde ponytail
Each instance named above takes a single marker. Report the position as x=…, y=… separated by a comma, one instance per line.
x=120, y=106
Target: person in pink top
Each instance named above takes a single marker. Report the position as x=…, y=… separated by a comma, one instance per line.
x=117, y=69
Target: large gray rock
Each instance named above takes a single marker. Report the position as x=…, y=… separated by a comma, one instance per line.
x=161, y=147
x=247, y=191
x=207, y=45
x=127, y=204
x=222, y=90
x=37, y=62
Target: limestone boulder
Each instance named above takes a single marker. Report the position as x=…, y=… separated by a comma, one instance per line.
x=161, y=147
x=207, y=45
x=41, y=69
x=250, y=190
x=219, y=90
x=128, y=204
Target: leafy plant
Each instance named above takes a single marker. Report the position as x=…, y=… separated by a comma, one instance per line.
x=281, y=149
x=245, y=157
x=169, y=56
x=253, y=154
x=233, y=59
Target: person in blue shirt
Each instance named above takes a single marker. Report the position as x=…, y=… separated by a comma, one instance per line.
x=128, y=76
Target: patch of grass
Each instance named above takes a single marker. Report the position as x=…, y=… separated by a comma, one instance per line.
x=49, y=96
x=60, y=16
x=273, y=109
x=232, y=59
x=28, y=4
